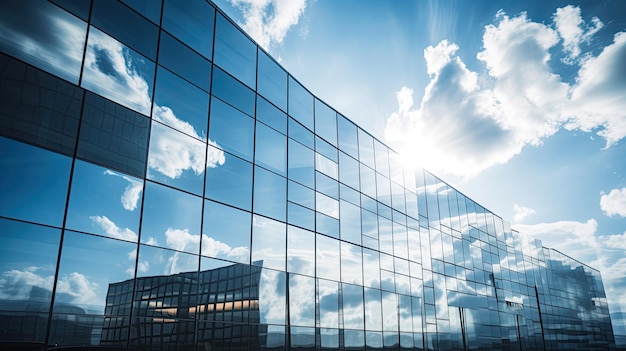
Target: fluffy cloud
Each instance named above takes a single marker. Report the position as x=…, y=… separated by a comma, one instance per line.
x=572, y=29
x=131, y=194
x=521, y=213
x=614, y=203
x=112, y=230
x=466, y=123
x=268, y=21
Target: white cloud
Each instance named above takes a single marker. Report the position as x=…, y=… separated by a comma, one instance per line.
x=614, y=203
x=571, y=27
x=521, y=213
x=466, y=123
x=16, y=284
x=131, y=194
x=267, y=21
x=112, y=230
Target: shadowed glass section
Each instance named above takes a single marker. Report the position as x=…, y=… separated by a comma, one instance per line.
x=272, y=81
x=300, y=104
x=43, y=35
x=185, y=62
x=35, y=188
x=231, y=129
x=192, y=22
x=234, y=52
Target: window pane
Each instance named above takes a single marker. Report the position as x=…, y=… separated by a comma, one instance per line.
x=171, y=218
x=301, y=134
x=301, y=163
x=352, y=306
x=301, y=195
x=326, y=149
x=229, y=182
x=300, y=216
x=349, y=171
x=36, y=187
x=328, y=297
x=368, y=181
x=180, y=105
x=383, y=189
x=327, y=205
x=117, y=72
x=271, y=149
x=272, y=81
x=327, y=257
x=373, y=313
x=371, y=268
x=149, y=9
x=301, y=300
x=300, y=104
x=226, y=232
x=366, y=149
x=126, y=25
x=269, y=243
x=326, y=185
x=325, y=122
x=350, y=222
x=270, y=194
x=390, y=311
x=232, y=130
x=233, y=92
x=382, y=158
x=113, y=136
x=104, y=202
x=270, y=115
x=185, y=62
x=347, y=137
x=234, y=52
x=326, y=166
x=272, y=299
x=300, y=251
x=38, y=108
x=191, y=22
x=177, y=160
x=351, y=264
x=58, y=36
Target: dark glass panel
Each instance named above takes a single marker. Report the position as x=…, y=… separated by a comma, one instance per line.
x=230, y=182
x=232, y=130
x=272, y=81
x=79, y=8
x=104, y=202
x=58, y=36
x=270, y=194
x=270, y=115
x=126, y=25
x=233, y=92
x=34, y=187
x=226, y=232
x=191, y=22
x=185, y=62
x=28, y=255
x=326, y=122
x=113, y=136
x=300, y=104
x=382, y=158
x=38, y=108
x=234, y=52
x=148, y=8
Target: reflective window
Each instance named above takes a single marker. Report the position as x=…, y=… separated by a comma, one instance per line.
x=35, y=189
x=28, y=256
x=113, y=136
x=301, y=134
x=130, y=28
x=383, y=190
x=397, y=197
x=325, y=122
x=300, y=216
x=301, y=300
x=354, y=339
x=58, y=36
x=366, y=149
x=301, y=164
x=301, y=195
x=326, y=149
x=272, y=81
x=104, y=202
x=371, y=268
x=185, y=62
x=350, y=222
x=396, y=170
x=270, y=115
x=232, y=130
x=352, y=296
x=327, y=257
x=171, y=218
x=180, y=105
x=229, y=182
x=326, y=166
x=270, y=194
x=411, y=204
x=271, y=149
x=177, y=160
x=390, y=311
x=117, y=72
x=327, y=205
x=272, y=300
x=269, y=243
x=347, y=137
x=326, y=185
x=226, y=232
x=351, y=264
x=368, y=181
x=382, y=158
x=349, y=194
x=149, y=9
x=38, y=108
x=300, y=251
x=349, y=171
x=373, y=312
x=300, y=104
x=328, y=297
x=326, y=225
x=191, y=22
x=78, y=8
x=234, y=52
x=233, y=92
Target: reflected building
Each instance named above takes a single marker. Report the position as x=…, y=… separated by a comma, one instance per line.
x=172, y=187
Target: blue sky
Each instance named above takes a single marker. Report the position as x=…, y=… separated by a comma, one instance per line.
x=519, y=105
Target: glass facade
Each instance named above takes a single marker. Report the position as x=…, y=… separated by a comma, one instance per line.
x=168, y=186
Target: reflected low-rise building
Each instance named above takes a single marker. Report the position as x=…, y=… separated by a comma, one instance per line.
x=169, y=186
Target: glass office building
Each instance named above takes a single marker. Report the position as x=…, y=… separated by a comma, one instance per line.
x=167, y=185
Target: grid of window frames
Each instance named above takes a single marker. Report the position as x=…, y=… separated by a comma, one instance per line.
x=172, y=187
